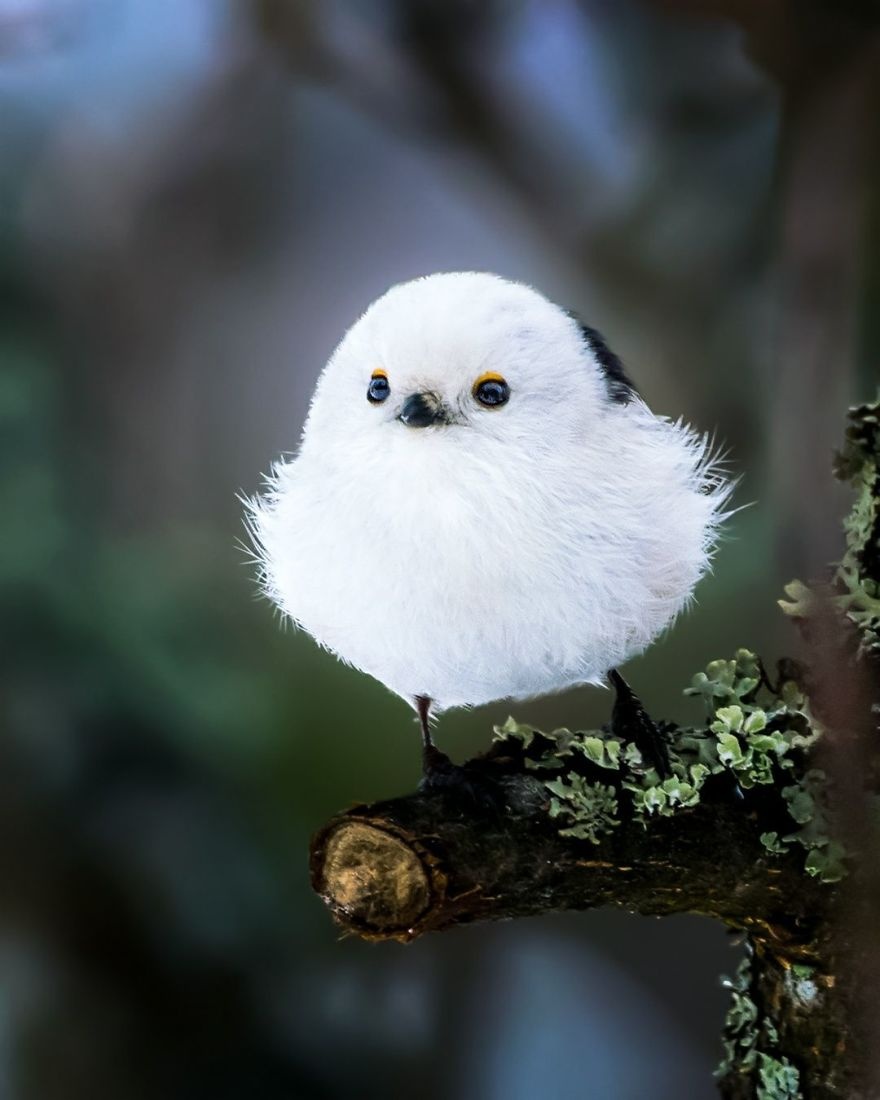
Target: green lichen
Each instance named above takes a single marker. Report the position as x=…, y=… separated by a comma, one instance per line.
x=801, y=983
x=589, y=808
x=856, y=579
x=778, y=1079
x=753, y=734
x=751, y=1044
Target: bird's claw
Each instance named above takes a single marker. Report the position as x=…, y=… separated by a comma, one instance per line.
x=468, y=785
x=631, y=722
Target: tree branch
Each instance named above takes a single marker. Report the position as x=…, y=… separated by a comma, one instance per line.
x=428, y=860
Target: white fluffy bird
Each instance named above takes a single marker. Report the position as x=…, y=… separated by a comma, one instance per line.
x=482, y=507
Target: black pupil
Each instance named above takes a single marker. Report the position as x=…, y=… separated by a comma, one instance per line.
x=379, y=389
x=492, y=392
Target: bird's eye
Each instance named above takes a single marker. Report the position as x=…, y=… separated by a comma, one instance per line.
x=491, y=390
x=378, y=388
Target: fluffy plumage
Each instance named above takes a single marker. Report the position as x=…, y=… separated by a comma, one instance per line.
x=505, y=552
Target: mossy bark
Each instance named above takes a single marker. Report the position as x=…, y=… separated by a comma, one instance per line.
x=435, y=859
x=425, y=861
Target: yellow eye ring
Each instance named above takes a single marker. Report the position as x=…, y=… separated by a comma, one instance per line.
x=491, y=390
x=379, y=373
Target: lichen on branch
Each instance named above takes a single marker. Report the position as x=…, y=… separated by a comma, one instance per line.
x=854, y=588
x=755, y=736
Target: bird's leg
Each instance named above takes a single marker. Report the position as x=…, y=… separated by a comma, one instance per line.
x=433, y=760
x=456, y=780
x=630, y=722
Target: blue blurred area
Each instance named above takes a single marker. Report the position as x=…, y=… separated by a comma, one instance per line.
x=196, y=199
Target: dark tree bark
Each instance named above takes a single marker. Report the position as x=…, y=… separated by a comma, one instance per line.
x=425, y=861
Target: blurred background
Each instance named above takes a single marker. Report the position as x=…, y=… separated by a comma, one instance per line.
x=197, y=197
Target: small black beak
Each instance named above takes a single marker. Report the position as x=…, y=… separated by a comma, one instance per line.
x=420, y=410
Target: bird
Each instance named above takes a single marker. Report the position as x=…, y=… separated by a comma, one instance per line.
x=483, y=507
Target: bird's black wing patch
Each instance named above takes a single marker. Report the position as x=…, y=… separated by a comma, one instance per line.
x=620, y=387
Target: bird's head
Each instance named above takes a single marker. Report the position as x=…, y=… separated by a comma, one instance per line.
x=464, y=352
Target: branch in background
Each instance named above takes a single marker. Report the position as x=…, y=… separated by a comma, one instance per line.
x=425, y=75
x=747, y=830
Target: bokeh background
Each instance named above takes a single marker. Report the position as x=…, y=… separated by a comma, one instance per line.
x=197, y=197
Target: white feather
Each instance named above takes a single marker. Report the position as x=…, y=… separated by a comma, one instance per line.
x=516, y=552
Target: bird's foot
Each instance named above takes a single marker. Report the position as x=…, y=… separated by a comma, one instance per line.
x=631, y=722
x=461, y=781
